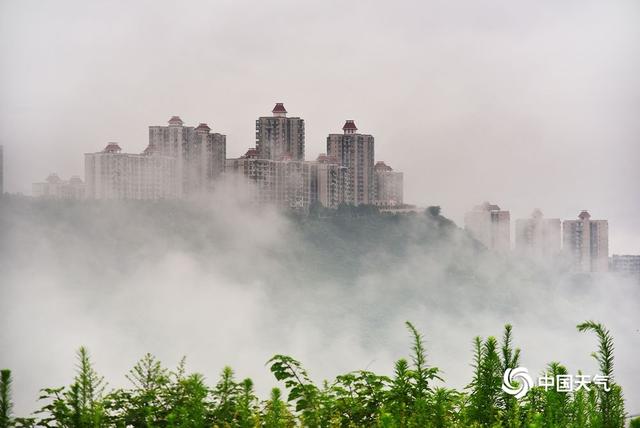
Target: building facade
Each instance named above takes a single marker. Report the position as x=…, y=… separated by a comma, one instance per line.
x=491, y=226
x=389, y=186
x=355, y=152
x=111, y=174
x=279, y=137
x=626, y=264
x=538, y=237
x=286, y=183
x=56, y=188
x=330, y=183
x=586, y=243
x=200, y=154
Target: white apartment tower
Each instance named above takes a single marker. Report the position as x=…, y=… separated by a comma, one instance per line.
x=491, y=226
x=56, y=188
x=388, y=186
x=111, y=174
x=586, y=243
x=279, y=137
x=355, y=152
x=285, y=183
x=537, y=236
x=199, y=153
x=330, y=184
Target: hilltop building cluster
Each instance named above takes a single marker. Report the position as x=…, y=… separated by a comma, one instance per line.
x=585, y=242
x=180, y=161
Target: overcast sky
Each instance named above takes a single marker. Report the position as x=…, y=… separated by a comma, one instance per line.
x=527, y=104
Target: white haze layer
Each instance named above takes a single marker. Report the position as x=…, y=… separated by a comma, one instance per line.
x=228, y=284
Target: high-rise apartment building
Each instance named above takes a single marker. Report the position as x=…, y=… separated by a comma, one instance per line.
x=330, y=184
x=285, y=183
x=388, y=186
x=355, y=151
x=261, y=175
x=626, y=264
x=292, y=184
x=199, y=153
x=279, y=137
x=56, y=188
x=491, y=226
x=111, y=174
x=586, y=243
x=537, y=236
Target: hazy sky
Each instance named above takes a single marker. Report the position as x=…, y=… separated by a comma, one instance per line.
x=524, y=103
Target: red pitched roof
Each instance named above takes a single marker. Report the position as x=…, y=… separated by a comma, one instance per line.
x=112, y=148
x=149, y=150
x=175, y=120
x=349, y=124
x=279, y=108
x=203, y=127
x=381, y=166
x=584, y=215
x=251, y=153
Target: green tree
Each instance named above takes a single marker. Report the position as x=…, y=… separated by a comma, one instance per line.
x=6, y=404
x=610, y=401
x=302, y=391
x=484, y=400
x=80, y=405
x=247, y=409
x=225, y=397
x=276, y=414
x=510, y=358
x=400, y=396
x=145, y=404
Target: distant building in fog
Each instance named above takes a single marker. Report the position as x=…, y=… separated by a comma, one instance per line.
x=56, y=188
x=111, y=174
x=538, y=236
x=200, y=154
x=285, y=183
x=279, y=137
x=355, y=152
x=490, y=225
x=179, y=161
x=388, y=184
x=330, y=182
x=626, y=264
x=586, y=243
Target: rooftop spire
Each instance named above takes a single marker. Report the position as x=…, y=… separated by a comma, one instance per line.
x=349, y=127
x=203, y=127
x=175, y=120
x=112, y=148
x=279, y=110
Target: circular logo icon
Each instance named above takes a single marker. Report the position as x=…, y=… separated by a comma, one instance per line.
x=517, y=382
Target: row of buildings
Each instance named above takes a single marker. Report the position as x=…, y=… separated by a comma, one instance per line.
x=584, y=241
x=180, y=161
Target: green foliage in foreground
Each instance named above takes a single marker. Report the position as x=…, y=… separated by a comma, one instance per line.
x=159, y=397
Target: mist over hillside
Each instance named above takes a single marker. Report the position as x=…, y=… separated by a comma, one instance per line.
x=224, y=282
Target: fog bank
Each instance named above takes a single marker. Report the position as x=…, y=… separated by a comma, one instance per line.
x=229, y=284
